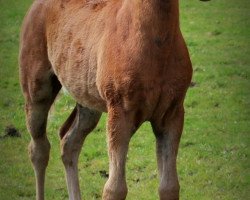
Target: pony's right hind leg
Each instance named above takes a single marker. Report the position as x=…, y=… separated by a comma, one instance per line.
x=40, y=87
x=37, y=105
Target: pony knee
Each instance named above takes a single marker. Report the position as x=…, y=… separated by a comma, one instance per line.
x=39, y=152
x=69, y=152
x=114, y=195
x=66, y=157
x=169, y=192
x=114, y=191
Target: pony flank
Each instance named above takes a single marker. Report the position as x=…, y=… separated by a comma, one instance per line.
x=124, y=57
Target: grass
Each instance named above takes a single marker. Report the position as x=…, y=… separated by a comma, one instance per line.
x=213, y=161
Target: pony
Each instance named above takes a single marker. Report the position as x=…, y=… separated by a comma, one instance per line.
x=124, y=57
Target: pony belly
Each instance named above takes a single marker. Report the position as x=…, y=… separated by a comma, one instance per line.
x=89, y=99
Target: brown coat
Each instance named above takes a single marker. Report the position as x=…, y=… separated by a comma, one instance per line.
x=124, y=57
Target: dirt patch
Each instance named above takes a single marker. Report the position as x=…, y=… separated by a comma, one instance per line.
x=193, y=84
x=11, y=131
x=104, y=173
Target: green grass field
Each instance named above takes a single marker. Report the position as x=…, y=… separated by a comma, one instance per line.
x=213, y=161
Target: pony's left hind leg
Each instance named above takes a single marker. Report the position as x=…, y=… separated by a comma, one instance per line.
x=79, y=124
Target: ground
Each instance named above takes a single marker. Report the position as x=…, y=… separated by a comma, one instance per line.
x=213, y=161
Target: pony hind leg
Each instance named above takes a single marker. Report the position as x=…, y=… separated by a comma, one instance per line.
x=76, y=128
x=40, y=92
x=40, y=87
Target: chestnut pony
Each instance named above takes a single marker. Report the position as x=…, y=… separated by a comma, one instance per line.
x=124, y=57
